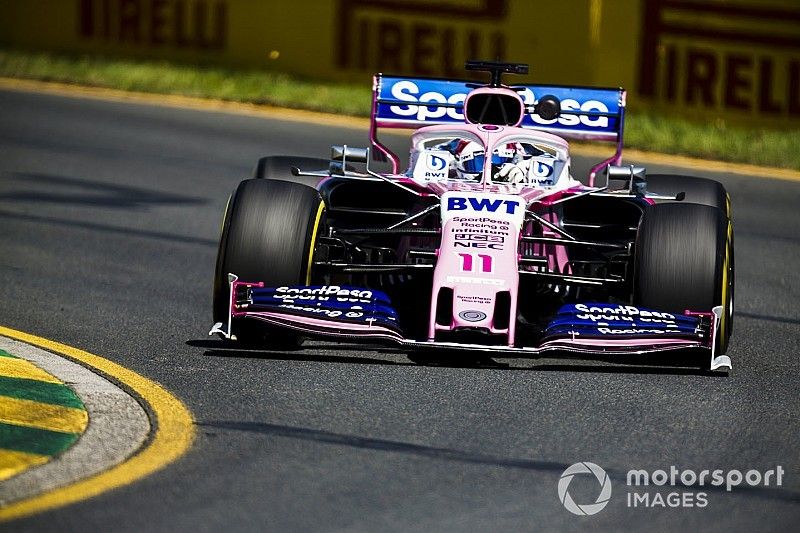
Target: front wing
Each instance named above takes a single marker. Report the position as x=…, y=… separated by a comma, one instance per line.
x=366, y=314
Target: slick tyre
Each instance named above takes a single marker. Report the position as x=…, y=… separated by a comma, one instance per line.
x=684, y=260
x=279, y=167
x=269, y=233
x=698, y=190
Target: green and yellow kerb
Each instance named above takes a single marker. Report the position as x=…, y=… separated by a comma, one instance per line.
x=40, y=416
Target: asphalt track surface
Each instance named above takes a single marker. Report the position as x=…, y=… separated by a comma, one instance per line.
x=109, y=218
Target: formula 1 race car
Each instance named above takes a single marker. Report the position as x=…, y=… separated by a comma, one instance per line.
x=485, y=243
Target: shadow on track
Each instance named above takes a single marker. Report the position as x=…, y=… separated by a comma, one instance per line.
x=84, y=192
x=220, y=348
x=461, y=456
x=311, y=353
x=367, y=443
x=778, y=319
x=104, y=228
x=43, y=190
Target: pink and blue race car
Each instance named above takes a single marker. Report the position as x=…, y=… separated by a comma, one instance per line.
x=485, y=243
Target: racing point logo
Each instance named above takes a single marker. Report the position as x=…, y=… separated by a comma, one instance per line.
x=587, y=509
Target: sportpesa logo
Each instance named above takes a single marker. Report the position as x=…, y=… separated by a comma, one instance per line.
x=411, y=92
x=587, y=509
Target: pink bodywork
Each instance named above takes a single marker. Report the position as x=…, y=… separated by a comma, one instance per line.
x=476, y=275
x=478, y=257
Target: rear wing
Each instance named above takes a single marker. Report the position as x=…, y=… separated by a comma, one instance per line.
x=587, y=113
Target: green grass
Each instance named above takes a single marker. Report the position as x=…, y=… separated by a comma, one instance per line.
x=252, y=86
x=758, y=146
x=644, y=130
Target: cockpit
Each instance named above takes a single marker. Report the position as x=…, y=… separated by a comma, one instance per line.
x=461, y=156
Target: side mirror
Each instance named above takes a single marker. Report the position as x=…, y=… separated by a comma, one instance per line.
x=548, y=107
x=346, y=154
x=636, y=177
x=625, y=173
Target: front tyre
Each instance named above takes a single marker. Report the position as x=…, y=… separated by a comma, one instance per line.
x=702, y=191
x=279, y=167
x=684, y=260
x=269, y=233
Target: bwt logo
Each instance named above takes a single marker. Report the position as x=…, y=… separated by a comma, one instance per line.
x=541, y=169
x=436, y=163
x=481, y=204
x=435, y=167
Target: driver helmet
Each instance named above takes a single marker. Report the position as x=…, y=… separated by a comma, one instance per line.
x=471, y=156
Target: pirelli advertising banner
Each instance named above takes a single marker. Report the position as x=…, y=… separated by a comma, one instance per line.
x=736, y=60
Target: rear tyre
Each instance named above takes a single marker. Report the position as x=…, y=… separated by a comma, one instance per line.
x=684, y=260
x=698, y=190
x=269, y=234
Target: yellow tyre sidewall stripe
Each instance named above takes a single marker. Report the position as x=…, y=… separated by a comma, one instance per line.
x=171, y=437
x=320, y=210
x=726, y=280
x=723, y=323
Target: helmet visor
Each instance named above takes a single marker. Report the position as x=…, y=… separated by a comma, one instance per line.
x=475, y=164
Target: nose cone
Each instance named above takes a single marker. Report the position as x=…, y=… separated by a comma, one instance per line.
x=477, y=266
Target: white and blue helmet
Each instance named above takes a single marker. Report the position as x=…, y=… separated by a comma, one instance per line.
x=471, y=158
